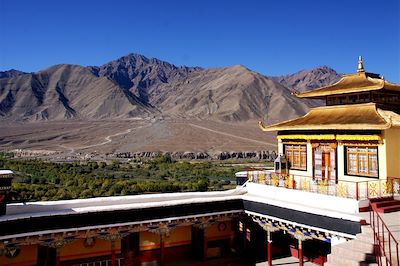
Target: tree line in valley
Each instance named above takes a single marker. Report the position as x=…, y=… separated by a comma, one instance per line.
x=37, y=180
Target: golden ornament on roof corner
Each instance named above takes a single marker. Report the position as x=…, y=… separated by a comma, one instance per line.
x=360, y=67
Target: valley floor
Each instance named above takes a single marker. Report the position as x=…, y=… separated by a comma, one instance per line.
x=68, y=138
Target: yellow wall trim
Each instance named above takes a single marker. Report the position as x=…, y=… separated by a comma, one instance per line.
x=308, y=137
x=358, y=137
x=331, y=137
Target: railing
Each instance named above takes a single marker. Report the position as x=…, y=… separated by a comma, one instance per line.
x=104, y=262
x=384, y=240
x=347, y=189
x=388, y=246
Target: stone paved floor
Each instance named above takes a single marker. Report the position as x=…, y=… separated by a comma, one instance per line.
x=289, y=261
x=286, y=261
x=392, y=220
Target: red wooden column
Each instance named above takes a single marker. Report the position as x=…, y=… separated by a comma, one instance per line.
x=205, y=245
x=300, y=252
x=269, y=228
x=269, y=249
x=163, y=230
x=162, y=247
x=128, y=252
x=58, y=262
x=113, y=252
x=299, y=235
x=201, y=244
x=131, y=248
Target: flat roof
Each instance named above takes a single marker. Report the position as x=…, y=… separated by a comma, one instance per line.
x=33, y=218
x=17, y=211
x=6, y=172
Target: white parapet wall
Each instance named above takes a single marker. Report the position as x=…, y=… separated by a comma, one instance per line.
x=63, y=207
x=304, y=201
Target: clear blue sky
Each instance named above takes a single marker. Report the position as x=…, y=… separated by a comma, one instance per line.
x=271, y=37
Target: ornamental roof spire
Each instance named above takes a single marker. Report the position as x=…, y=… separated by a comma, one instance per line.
x=360, y=67
x=359, y=82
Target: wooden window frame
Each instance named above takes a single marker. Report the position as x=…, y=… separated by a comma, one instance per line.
x=299, y=145
x=367, y=153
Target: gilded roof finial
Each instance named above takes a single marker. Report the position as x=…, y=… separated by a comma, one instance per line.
x=360, y=67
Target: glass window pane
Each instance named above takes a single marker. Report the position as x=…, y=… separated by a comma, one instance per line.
x=373, y=164
x=362, y=163
x=362, y=149
x=303, y=159
x=352, y=163
x=296, y=159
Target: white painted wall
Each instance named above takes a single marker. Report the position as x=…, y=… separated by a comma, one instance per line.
x=337, y=240
x=382, y=160
x=280, y=147
x=304, y=201
x=340, y=162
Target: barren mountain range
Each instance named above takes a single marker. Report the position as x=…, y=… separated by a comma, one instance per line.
x=135, y=104
x=134, y=86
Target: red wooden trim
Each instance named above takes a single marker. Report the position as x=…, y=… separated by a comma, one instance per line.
x=364, y=209
x=219, y=237
x=167, y=244
x=27, y=262
x=178, y=243
x=89, y=254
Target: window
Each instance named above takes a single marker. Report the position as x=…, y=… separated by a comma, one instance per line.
x=296, y=154
x=362, y=161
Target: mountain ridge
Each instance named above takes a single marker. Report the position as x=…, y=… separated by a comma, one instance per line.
x=309, y=79
x=11, y=73
x=134, y=86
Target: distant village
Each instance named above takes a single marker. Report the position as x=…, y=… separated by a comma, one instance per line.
x=263, y=155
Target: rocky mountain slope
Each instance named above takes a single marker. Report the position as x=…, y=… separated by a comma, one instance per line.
x=309, y=79
x=66, y=92
x=138, y=74
x=134, y=86
x=228, y=94
x=10, y=73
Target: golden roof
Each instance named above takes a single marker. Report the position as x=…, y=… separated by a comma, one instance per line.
x=349, y=117
x=351, y=83
x=358, y=82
